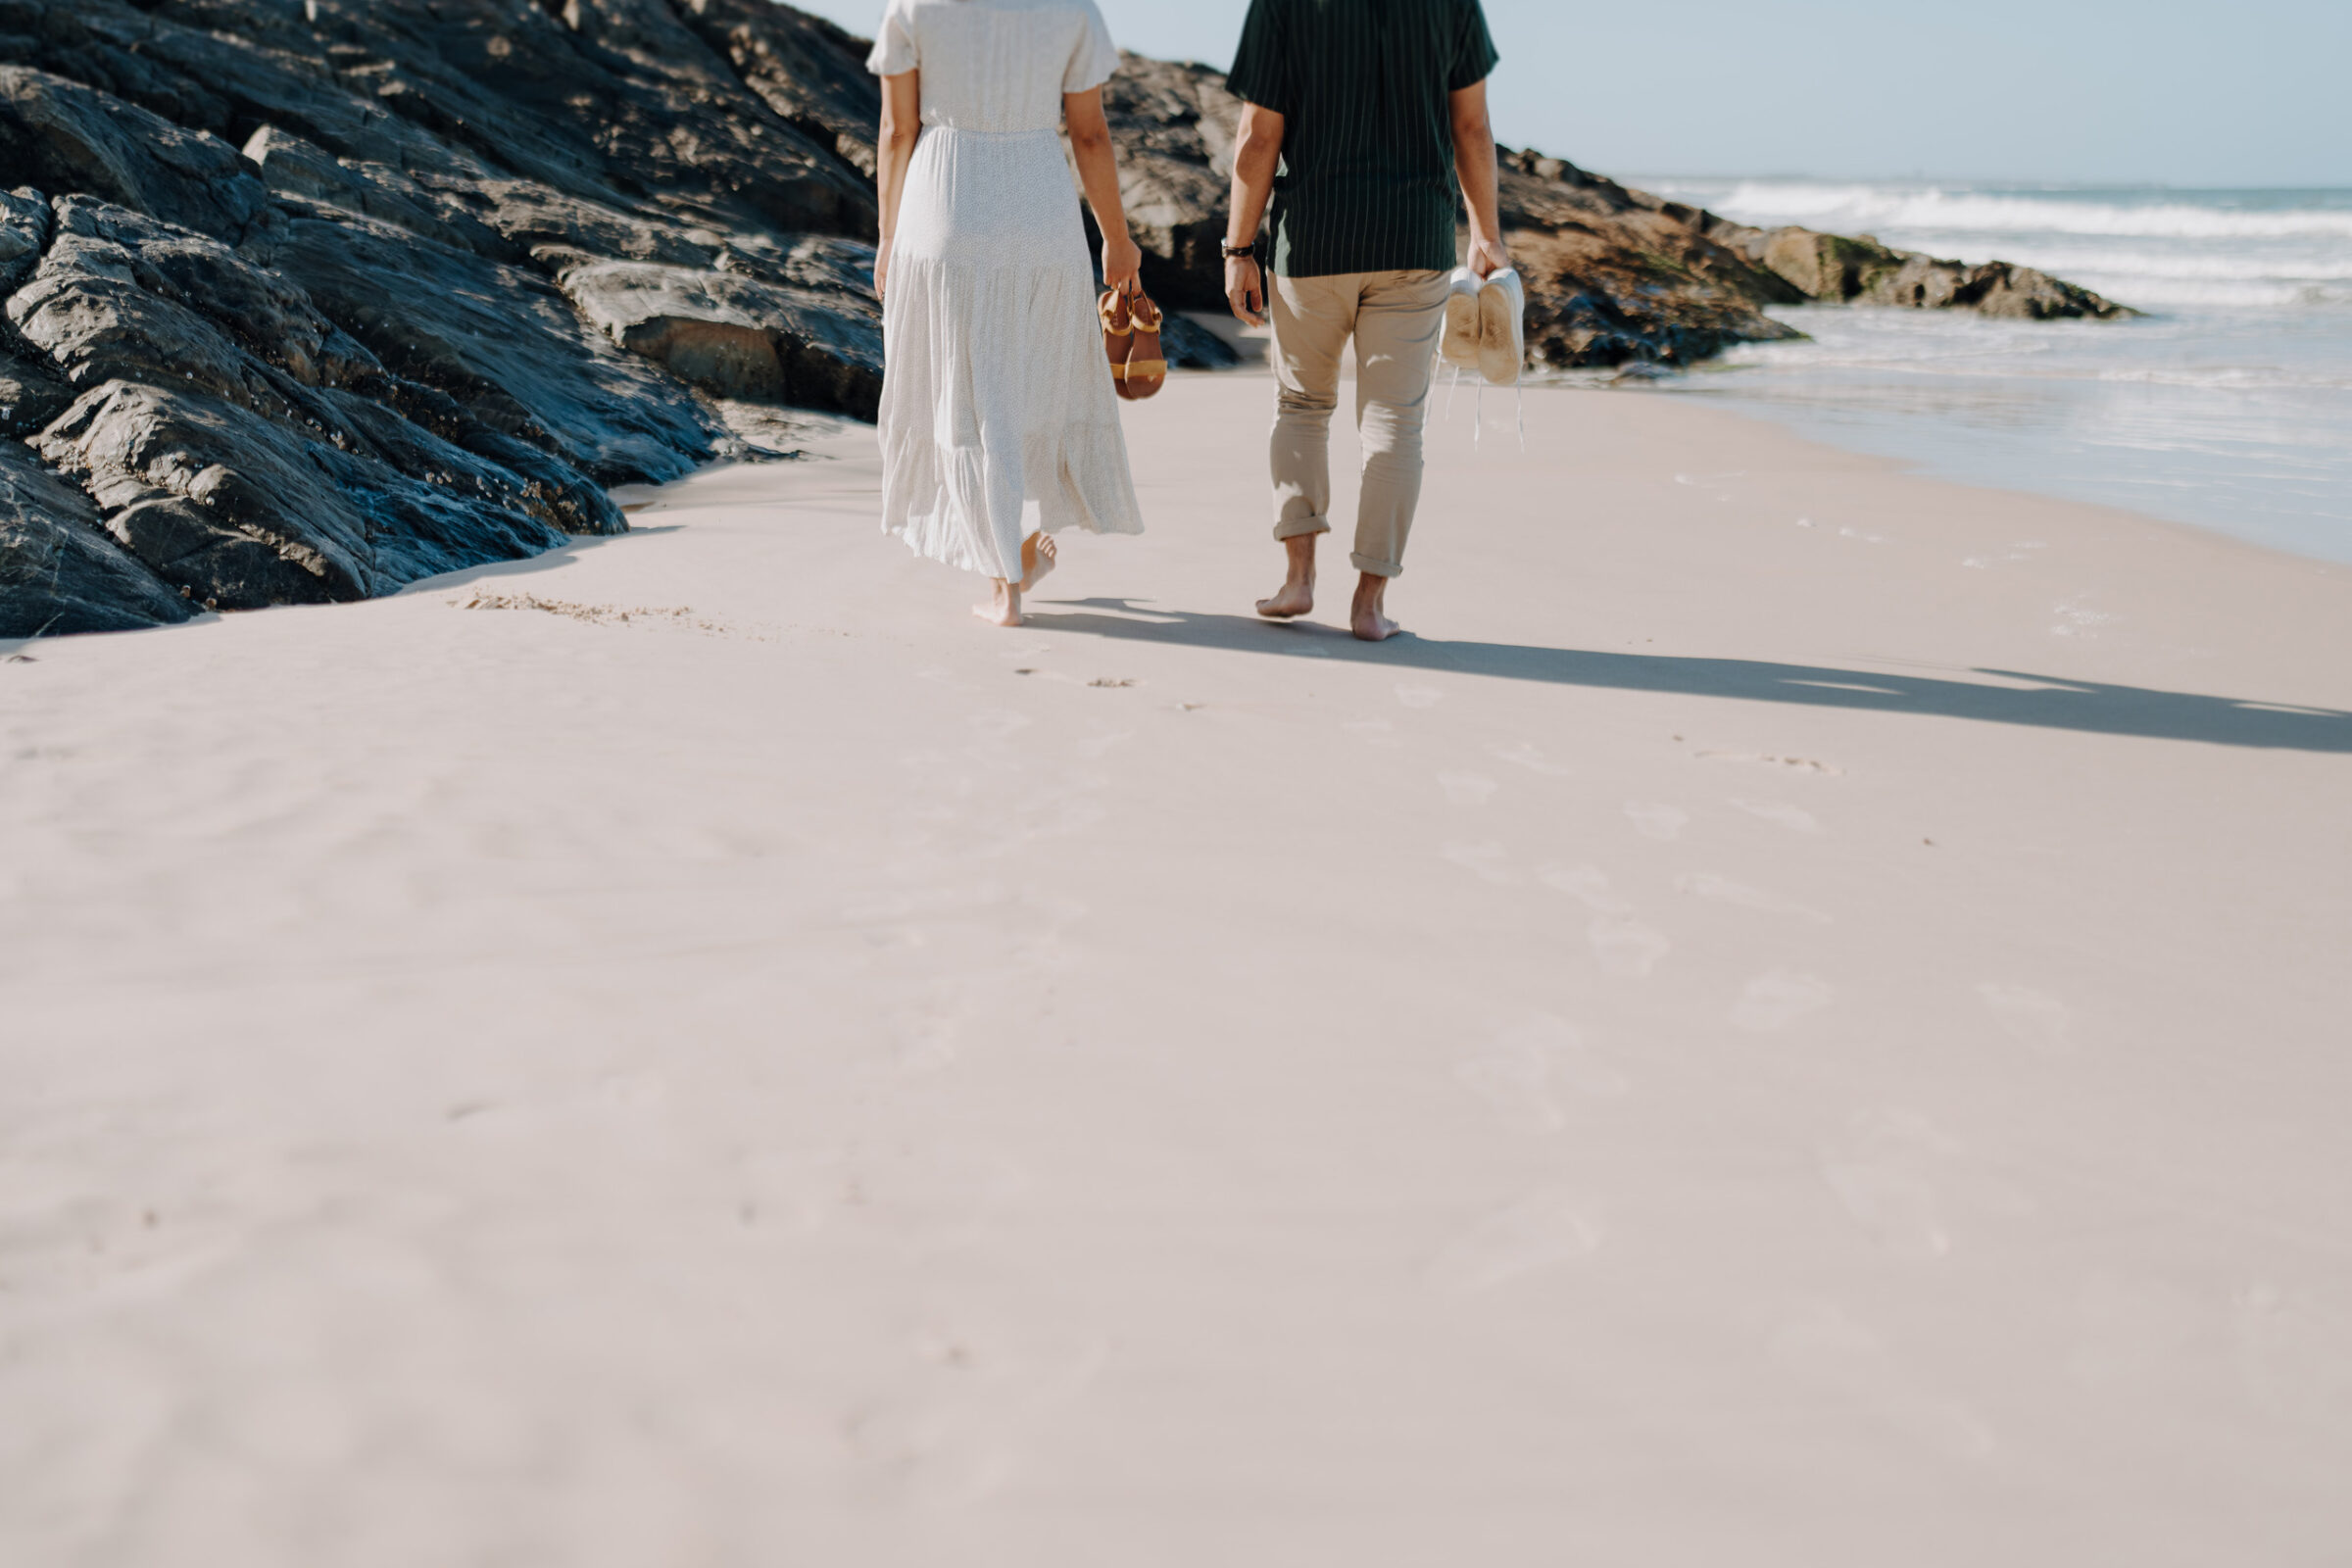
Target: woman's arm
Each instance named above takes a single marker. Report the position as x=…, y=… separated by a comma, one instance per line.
x=902, y=123
x=1256, y=157
x=1099, y=172
x=1474, y=161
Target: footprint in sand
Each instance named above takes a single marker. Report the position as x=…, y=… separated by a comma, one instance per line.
x=1374, y=732
x=1419, y=696
x=2294, y=1353
x=1586, y=884
x=1722, y=890
x=927, y=1044
x=1899, y=1206
x=1664, y=823
x=1467, y=789
x=1795, y=818
x=1486, y=857
x=999, y=723
x=1900, y=1178
x=1533, y=760
x=1773, y=1002
x=2132, y=1329
x=1520, y=1069
x=1542, y=1230
x=1627, y=947
x=1823, y=1342
x=2028, y=1017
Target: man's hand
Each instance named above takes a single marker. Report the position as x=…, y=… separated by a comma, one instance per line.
x=1489, y=256
x=1245, y=289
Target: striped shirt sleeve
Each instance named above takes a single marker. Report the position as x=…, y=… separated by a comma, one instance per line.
x=1262, y=72
x=1475, y=56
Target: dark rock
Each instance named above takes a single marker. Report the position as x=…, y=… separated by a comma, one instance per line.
x=59, y=574
x=1616, y=278
x=64, y=136
x=1834, y=269
x=612, y=100
x=32, y=392
x=249, y=450
x=24, y=231
x=246, y=511
x=808, y=71
x=741, y=336
x=503, y=342
x=293, y=167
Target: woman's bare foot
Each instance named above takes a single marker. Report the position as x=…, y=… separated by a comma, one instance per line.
x=1368, y=617
x=1005, y=609
x=1296, y=596
x=1038, y=554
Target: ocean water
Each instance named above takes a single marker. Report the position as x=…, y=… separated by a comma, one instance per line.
x=2229, y=406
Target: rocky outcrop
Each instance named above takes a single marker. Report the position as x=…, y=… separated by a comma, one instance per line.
x=1834, y=269
x=311, y=300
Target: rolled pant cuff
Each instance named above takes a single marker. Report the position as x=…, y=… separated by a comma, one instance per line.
x=1301, y=527
x=1377, y=567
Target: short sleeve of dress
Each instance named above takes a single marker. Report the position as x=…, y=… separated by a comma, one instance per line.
x=1096, y=58
x=1475, y=56
x=1261, y=65
x=894, y=53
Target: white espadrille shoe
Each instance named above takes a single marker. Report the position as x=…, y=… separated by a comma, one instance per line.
x=1459, y=345
x=1501, y=327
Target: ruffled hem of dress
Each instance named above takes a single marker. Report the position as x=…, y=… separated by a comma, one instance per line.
x=949, y=518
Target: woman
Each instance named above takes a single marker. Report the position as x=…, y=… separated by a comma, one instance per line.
x=999, y=422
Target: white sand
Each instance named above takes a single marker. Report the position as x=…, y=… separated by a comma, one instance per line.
x=1680, y=1065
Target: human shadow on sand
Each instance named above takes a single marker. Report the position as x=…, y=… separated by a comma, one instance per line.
x=2043, y=702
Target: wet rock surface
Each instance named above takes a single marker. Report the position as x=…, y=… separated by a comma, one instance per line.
x=59, y=574
x=307, y=299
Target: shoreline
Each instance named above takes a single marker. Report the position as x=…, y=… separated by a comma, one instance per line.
x=1778, y=1015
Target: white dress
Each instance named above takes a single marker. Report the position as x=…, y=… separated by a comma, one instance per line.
x=997, y=414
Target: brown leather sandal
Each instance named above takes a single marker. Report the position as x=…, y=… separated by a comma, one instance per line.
x=1118, y=337
x=1147, y=364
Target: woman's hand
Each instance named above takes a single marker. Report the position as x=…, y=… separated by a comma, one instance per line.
x=1122, y=264
x=882, y=271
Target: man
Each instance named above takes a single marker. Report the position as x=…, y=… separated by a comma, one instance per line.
x=1369, y=118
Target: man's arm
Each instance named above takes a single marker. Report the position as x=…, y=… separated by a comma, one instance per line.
x=1256, y=154
x=1474, y=159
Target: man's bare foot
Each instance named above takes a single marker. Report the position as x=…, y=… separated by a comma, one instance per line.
x=1296, y=596
x=1005, y=609
x=1038, y=554
x=1368, y=618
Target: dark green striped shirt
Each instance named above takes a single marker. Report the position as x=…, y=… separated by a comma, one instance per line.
x=1364, y=87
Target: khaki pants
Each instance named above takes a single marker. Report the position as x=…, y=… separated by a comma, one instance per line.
x=1395, y=318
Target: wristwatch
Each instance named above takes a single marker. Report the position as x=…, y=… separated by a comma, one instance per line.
x=1233, y=253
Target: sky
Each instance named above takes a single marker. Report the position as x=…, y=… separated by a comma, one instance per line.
x=2254, y=92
